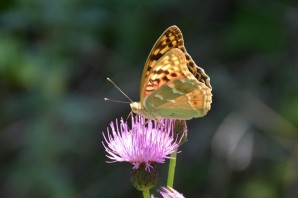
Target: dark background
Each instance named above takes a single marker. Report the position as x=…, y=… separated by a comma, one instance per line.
x=54, y=60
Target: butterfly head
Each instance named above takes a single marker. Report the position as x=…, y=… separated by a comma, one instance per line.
x=138, y=108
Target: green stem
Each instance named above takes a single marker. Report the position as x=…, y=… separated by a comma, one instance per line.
x=146, y=193
x=172, y=167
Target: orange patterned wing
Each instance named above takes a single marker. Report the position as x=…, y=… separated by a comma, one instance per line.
x=167, y=68
x=171, y=38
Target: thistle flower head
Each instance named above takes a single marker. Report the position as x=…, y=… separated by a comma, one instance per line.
x=170, y=193
x=141, y=143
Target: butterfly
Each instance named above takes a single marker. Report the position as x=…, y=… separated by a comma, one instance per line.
x=172, y=85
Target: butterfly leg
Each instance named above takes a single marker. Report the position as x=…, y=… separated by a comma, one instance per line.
x=129, y=115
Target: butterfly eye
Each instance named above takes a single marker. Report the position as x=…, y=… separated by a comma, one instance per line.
x=135, y=106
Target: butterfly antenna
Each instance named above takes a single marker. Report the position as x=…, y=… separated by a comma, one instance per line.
x=119, y=101
x=119, y=90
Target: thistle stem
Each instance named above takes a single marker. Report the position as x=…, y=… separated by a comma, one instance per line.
x=146, y=193
x=172, y=167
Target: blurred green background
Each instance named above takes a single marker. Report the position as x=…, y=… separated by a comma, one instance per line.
x=54, y=60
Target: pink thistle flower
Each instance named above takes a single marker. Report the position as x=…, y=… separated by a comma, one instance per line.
x=170, y=193
x=140, y=143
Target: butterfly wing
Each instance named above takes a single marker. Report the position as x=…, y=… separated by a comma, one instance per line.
x=171, y=90
x=180, y=99
x=169, y=67
x=170, y=39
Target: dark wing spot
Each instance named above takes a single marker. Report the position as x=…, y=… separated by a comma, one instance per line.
x=166, y=72
x=158, y=56
x=165, y=78
x=173, y=74
x=159, y=71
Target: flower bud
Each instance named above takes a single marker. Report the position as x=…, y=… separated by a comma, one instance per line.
x=142, y=179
